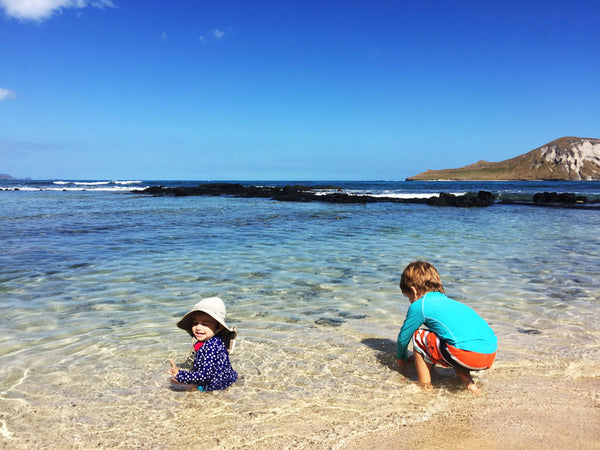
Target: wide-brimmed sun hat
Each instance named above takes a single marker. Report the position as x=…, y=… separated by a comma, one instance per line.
x=214, y=307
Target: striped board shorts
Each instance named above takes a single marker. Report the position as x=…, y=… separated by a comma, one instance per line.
x=436, y=351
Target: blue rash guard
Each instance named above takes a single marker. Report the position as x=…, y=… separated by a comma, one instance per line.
x=451, y=321
x=211, y=369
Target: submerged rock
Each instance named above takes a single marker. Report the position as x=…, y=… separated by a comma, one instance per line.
x=332, y=322
x=528, y=331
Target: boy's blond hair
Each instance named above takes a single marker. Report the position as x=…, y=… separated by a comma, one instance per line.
x=422, y=276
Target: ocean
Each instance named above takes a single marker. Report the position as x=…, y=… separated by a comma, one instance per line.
x=94, y=278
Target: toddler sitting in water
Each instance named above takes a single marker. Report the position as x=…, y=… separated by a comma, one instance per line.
x=211, y=368
x=443, y=331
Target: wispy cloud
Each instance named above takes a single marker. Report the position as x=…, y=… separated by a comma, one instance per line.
x=215, y=34
x=7, y=94
x=42, y=9
x=218, y=34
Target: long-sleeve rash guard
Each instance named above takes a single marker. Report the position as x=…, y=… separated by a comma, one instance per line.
x=451, y=321
x=211, y=369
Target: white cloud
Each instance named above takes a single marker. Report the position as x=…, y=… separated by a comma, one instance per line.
x=42, y=9
x=213, y=35
x=6, y=94
x=218, y=34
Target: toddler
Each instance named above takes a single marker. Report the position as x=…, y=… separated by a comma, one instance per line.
x=211, y=369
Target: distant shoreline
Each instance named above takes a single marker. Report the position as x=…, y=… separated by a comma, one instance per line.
x=327, y=193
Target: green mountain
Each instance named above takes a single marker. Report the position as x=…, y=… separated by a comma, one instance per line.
x=567, y=158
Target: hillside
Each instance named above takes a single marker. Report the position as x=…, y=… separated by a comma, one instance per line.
x=567, y=158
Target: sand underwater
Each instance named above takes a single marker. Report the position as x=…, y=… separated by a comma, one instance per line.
x=92, y=284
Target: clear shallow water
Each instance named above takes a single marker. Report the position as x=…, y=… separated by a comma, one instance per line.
x=92, y=283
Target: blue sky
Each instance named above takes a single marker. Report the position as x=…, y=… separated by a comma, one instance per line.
x=289, y=89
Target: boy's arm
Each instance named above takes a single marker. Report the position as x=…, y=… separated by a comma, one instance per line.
x=414, y=319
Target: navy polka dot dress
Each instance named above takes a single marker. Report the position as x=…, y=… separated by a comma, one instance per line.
x=211, y=369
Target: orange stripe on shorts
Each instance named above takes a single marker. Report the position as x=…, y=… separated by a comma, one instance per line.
x=427, y=344
x=471, y=360
x=439, y=352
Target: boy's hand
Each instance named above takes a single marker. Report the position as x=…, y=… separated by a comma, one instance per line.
x=403, y=362
x=174, y=370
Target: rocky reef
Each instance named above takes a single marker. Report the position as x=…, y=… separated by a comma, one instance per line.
x=299, y=193
x=332, y=194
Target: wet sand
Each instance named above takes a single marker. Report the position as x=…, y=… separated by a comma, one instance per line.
x=520, y=412
x=522, y=408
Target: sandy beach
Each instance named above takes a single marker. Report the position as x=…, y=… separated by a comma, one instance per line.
x=516, y=412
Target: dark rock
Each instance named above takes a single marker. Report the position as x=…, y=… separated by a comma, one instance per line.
x=553, y=197
x=296, y=193
x=346, y=198
x=331, y=322
x=483, y=198
x=152, y=190
x=349, y=315
x=486, y=196
x=528, y=331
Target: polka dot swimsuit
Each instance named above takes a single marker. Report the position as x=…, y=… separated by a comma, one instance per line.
x=211, y=369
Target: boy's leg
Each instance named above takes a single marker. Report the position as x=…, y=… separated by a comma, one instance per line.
x=423, y=371
x=465, y=378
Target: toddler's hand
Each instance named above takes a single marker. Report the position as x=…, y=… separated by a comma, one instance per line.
x=174, y=369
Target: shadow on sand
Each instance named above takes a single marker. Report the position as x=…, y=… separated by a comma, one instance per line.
x=386, y=356
x=385, y=352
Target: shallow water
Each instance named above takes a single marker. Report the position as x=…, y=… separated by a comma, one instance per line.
x=92, y=284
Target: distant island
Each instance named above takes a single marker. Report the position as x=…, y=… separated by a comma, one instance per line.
x=566, y=158
x=3, y=176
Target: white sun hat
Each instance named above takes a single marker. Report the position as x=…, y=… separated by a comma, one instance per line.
x=214, y=307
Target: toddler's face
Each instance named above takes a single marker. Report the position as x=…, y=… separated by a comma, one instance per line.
x=204, y=326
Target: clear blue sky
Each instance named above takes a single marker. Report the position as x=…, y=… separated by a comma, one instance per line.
x=289, y=89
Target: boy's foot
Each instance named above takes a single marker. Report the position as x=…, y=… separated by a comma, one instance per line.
x=425, y=386
x=474, y=389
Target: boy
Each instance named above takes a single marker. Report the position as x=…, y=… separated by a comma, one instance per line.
x=443, y=331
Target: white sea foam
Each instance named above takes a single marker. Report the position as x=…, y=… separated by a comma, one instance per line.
x=388, y=194
x=91, y=183
x=4, y=430
x=128, y=182
x=63, y=185
x=79, y=187
x=409, y=195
